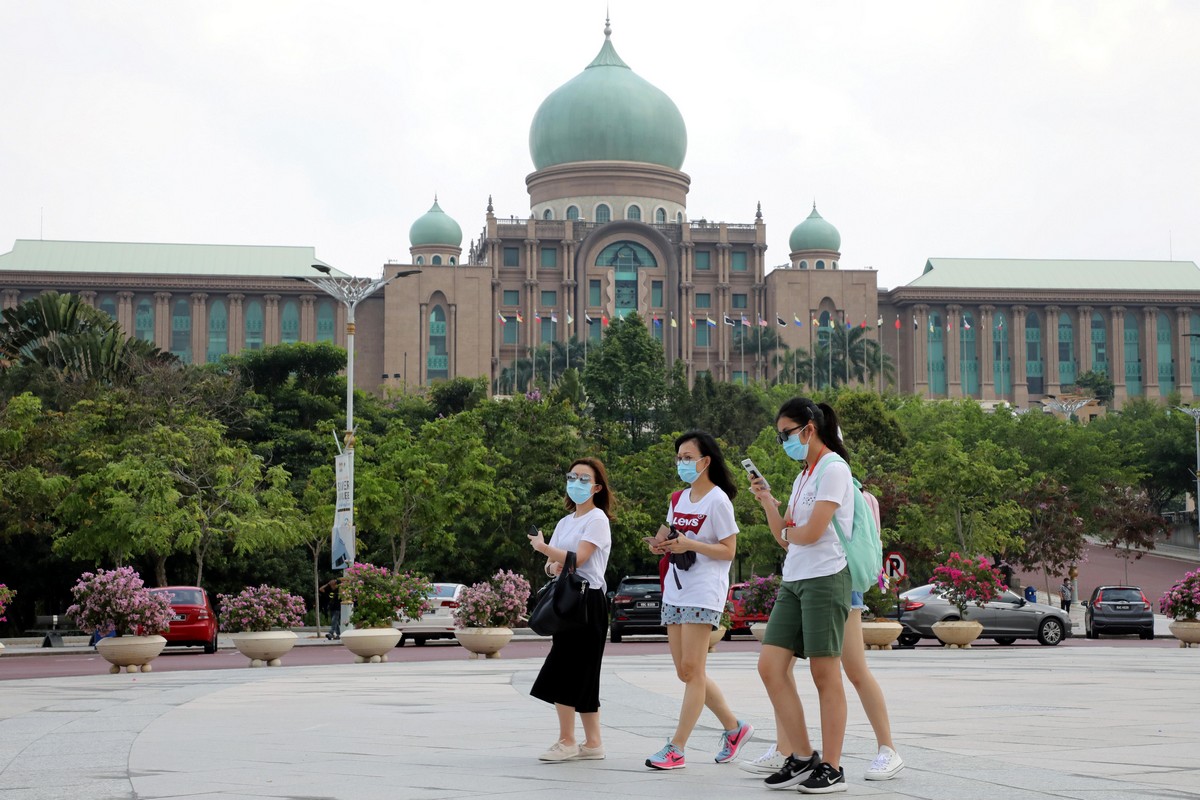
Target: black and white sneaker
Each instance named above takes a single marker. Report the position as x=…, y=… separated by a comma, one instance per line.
x=823, y=780
x=794, y=771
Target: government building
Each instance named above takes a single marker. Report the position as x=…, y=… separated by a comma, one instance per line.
x=607, y=233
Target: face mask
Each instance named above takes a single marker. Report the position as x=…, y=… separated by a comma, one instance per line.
x=795, y=449
x=578, y=492
x=687, y=471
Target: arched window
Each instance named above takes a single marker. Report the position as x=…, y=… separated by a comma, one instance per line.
x=937, y=355
x=968, y=357
x=420, y=261
x=289, y=323
x=572, y=212
x=181, y=330
x=1099, y=334
x=254, y=325
x=436, y=261
x=820, y=265
x=603, y=213
x=143, y=320
x=834, y=265
x=108, y=304
x=1034, y=368
x=660, y=216
x=325, y=321
x=625, y=258
x=803, y=265
x=453, y=261
x=633, y=212
x=547, y=214
x=679, y=217
x=437, y=364
x=218, y=331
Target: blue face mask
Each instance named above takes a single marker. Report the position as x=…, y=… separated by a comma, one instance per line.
x=687, y=471
x=579, y=492
x=796, y=450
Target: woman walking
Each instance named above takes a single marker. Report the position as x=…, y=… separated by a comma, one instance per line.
x=701, y=538
x=570, y=676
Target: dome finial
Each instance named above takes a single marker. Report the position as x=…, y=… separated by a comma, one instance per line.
x=758, y=214
x=607, y=24
x=489, y=208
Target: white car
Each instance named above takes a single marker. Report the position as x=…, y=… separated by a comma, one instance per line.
x=437, y=623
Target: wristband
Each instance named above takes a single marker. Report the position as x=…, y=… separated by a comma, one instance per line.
x=783, y=533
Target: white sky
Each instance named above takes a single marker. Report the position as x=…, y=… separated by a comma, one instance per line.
x=1037, y=129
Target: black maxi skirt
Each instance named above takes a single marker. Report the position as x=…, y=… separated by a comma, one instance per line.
x=571, y=673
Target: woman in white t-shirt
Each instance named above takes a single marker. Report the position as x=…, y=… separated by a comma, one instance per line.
x=695, y=593
x=570, y=676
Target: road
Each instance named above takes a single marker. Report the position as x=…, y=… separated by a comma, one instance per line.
x=1103, y=566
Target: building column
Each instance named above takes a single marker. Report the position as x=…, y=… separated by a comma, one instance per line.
x=1116, y=355
x=125, y=313
x=162, y=320
x=237, y=324
x=1149, y=352
x=88, y=299
x=1182, y=350
x=271, y=320
x=1083, y=340
x=452, y=340
x=1050, y=350
x=422, y=345
x=921, y=351
x=953, y=351
x=1016, y=349
x=12, y=299
x=308, y=318
x=985, y=341
x=199, y=328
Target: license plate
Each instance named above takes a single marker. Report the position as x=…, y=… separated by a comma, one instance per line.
x=1123, y=607
x=647, y=604
x=179, y=618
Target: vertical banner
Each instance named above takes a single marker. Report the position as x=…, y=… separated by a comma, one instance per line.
x=342, y=546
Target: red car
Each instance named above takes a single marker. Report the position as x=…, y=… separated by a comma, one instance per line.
x=740, y=622
x=194, y=622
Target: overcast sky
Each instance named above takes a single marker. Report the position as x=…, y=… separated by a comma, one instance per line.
x=1035, y=129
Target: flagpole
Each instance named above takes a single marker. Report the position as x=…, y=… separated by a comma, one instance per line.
x=812, y=354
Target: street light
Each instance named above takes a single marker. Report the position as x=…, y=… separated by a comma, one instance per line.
x=1068, y=407
x=349, y=291
x=1194, y=413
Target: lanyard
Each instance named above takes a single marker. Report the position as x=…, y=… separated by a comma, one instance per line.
x=808, y=473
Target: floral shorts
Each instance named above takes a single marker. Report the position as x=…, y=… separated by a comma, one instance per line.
x=689, y=615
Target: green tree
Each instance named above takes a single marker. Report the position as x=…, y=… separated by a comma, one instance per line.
x=626, y=379
x=1097, y=384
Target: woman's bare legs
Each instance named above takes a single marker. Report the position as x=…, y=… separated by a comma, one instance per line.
x=854, y=662
x=775, y=670
x=689, y=651
x=827, y=675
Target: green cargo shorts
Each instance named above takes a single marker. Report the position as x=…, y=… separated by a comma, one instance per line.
x=809, y=617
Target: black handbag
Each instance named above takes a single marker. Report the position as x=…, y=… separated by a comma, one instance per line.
x=561, y=603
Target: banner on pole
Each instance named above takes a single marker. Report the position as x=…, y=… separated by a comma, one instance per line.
x=342, y=547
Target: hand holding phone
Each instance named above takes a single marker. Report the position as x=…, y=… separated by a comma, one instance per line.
x=755, y=473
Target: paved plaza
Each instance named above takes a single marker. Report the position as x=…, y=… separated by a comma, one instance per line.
x=1097, y=723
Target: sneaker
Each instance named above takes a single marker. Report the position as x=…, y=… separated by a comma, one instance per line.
x=824, y=780
x=885, y=766
x=768, y=762
x=792, y=772
x=732, y=741
x=560, y=752
x=670, y=757
x=590, y=753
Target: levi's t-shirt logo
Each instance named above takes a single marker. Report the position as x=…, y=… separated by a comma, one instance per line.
x=688, y=524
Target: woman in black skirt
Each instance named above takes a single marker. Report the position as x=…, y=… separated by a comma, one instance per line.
x=570, y=678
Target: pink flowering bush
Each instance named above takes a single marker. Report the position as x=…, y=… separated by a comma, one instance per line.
x=965, y=581
x=380, y=595
x=117, y=601
x=499, y=602
x=260, y=608
x=1182, y=601
x=758, y=595
x=6, y=596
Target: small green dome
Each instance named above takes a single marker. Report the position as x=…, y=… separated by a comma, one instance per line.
x=607, y=113
x=435, y=227
x=815, y=234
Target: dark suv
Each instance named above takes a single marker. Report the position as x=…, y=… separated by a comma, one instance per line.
x=636, y=607
x=1118, y=609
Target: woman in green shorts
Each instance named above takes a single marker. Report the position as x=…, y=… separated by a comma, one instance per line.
x=809, y=617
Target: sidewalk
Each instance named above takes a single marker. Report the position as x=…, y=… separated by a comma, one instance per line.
x=1096, y=723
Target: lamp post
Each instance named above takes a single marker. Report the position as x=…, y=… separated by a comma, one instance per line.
x=1194, y=413
x=349, y=291
x=1068, y=407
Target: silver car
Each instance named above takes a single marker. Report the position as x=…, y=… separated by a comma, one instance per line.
x=1006, y=619
x=438, y=622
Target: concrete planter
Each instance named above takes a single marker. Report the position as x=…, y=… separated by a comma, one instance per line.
x=264, y=648
x=759, y=630
x=1187, y=631
x=957, y=633
x=880, y=634
x=370, y=645
x=486, y=642
x=133, y=653
x=715, y=637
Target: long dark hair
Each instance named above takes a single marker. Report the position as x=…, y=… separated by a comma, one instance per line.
x=803, y=411
x=718, y=473
x=603, y=498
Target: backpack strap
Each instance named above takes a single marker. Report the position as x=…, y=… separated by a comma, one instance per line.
x=825, y=462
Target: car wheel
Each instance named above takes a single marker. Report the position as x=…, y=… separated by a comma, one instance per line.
x=1050, y=632
x=403, y=639
x=614, y=637
x=211, y=647
x=1147, y=634
x=728, y=635
x=909, y=639
x=419, y=641
x=1089, y=632
x=1006, y=640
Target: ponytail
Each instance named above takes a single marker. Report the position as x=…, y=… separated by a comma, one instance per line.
x=823, y=418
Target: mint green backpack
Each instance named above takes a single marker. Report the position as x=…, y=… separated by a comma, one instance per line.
x=864, y=549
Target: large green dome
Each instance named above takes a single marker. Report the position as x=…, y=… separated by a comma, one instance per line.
x=815, y=234
x=435, y=227
x=607, y=113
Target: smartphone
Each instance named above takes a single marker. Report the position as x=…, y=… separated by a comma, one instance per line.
x=754, y=472
x=533, y=531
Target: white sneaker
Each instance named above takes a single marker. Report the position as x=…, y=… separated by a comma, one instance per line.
x=560, y=752
x=768, y=763
x=885, y=766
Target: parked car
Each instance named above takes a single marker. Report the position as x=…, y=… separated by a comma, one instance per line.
x=740, y=622
x=1006, y=619
x=1118, y=609
x=193, y=620
x=438, y=622
x=636, y=607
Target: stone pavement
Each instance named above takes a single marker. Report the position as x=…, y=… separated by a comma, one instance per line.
x=1096, y=723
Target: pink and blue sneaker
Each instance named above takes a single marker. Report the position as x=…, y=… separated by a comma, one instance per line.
x=732, y=741
x=670, y=757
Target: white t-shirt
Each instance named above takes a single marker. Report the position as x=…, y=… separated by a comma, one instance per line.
x=591, y=527
x=706, y=584
x=825, y=556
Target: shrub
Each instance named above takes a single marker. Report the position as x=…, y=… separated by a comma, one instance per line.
x=498, y=602
x=117, y=601
x=260, y=608
x=879, y=602
x=758, y=595
x=380, y=595
x=1182, y=601
x=6, y=596
x=964, y=581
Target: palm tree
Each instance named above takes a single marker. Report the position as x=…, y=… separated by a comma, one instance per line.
x=843, y=355
x=756, y=342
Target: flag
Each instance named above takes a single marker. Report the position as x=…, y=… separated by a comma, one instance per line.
x=848, y=325
x=916, y=327
x=762, y=323
x=587, y=318
x=879, y=323
x=674, y=324
x=966, y=324
x=999, y=323
x=537, y=315
x=745, y=322
x=947, y=326
x=657, y=321
x=931, y=328
x=728, y=321
x=501, y=317
x=520, y=319
x=692, y=320
x=781, y=322
x=815, y=324
x=897, y=322
x=570, y=319
x=554, y=317
x=831, y=326
x=863, y=324
x=710, y=322
x=796, y=317
x=604, y=320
